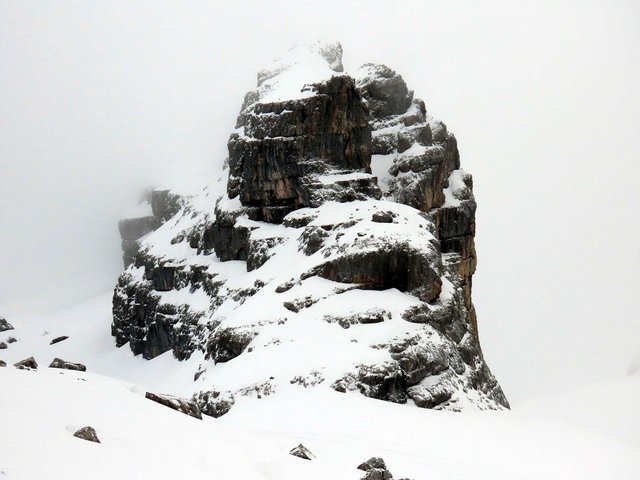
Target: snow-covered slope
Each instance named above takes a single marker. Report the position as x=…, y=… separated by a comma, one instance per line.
x=591, y=433
x=586, y=434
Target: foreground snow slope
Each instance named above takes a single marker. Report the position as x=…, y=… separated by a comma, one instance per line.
x=549, y=437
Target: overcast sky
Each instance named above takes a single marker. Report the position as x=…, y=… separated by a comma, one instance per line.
x=99, y=100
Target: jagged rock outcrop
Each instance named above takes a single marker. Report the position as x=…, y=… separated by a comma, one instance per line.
x=342, y=222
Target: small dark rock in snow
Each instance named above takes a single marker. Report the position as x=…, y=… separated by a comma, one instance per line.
x=87, y=433
x=59, y=363
x=3, y=345
x=27, y=363
x=383, y=217
x=4, y=325
x=12, y=340
x=182, y=405
x=302, y=452
x=3, y=363
x=58, y=339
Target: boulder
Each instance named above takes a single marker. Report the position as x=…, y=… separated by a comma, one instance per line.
x=87, y=433
x=373, y=462
x=383, y=217
x=375, y=469
x=4, y=325
x=27, y=364
x=65, y=365
x=3, y=363
x=302, y=452
x=3, y=345
x=188, y=407
x=58, y=339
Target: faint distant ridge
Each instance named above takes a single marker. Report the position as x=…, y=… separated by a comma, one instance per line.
x=337, y=253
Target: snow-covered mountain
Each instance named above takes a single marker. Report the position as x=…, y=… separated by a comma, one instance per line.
x=335, y=250
x=317, y=291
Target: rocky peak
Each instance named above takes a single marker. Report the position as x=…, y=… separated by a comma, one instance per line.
x=345, y=225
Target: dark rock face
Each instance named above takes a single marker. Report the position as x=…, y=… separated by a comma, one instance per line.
x=3, y=363
x=134, y=228
x=271, y=167
x=385, y=93
x=163, y=205
x=27, y=364
x=181, y=405
x=399, y=267
x=150, y=326
x=58, y=340
x=344, y=192
x=65, y=365
x=3, y=345
x=302, y=452
x=4, y=325
x=87, y=433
